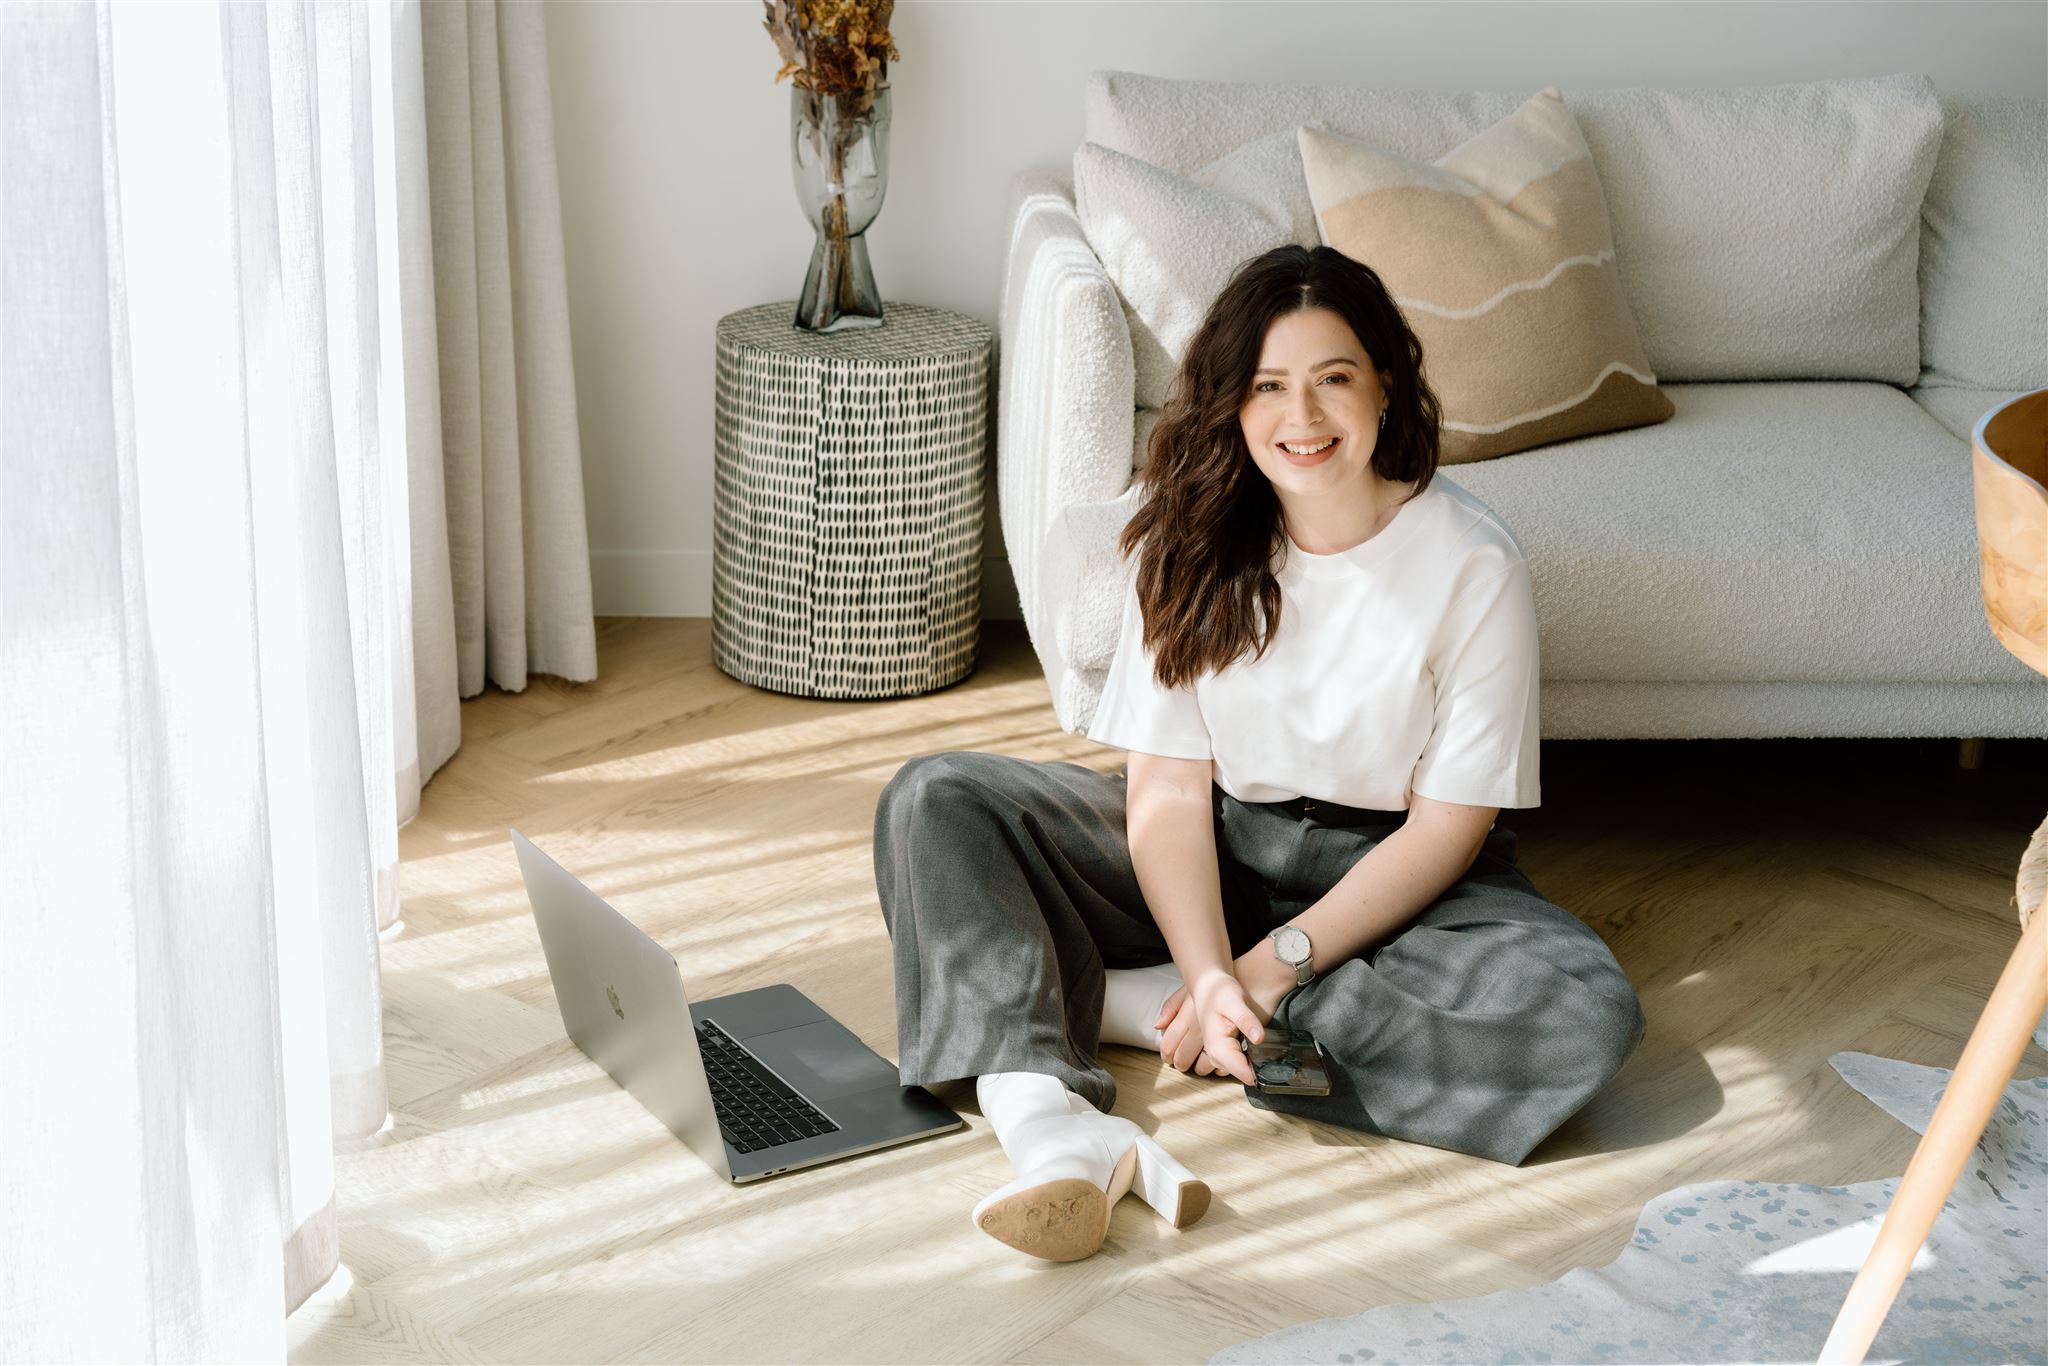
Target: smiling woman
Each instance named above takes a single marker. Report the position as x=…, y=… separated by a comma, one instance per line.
x=1330, y=794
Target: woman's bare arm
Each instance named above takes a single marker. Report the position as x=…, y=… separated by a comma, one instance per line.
x=1170, y=817
x=1170, y=820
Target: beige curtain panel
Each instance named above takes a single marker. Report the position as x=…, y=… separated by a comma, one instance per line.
x=501, y=554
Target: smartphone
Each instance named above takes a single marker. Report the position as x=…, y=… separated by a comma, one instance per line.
x=1289, y=1062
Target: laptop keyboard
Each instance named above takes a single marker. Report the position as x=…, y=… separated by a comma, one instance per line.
x=756, y=1109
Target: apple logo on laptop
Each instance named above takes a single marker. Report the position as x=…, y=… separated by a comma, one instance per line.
x=613, y=997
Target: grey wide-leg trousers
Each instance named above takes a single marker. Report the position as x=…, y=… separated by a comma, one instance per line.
x=1479, y=1026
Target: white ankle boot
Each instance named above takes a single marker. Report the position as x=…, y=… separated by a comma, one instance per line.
x=1073, y=1166
x=1161, y=1181
x=1131, y=1001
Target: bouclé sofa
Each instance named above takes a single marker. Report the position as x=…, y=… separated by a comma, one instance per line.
x=1832, y=282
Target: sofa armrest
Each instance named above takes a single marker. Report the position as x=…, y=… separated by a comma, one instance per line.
x=1066, y=423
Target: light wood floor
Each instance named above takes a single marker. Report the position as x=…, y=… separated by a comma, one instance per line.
x=1773, y=901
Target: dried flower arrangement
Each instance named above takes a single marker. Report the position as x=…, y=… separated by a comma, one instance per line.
x=834, y=47
x=837, y=53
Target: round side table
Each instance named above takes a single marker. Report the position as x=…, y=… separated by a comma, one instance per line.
x=847, y=516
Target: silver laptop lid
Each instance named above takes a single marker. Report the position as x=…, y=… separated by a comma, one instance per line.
x=622, y=1001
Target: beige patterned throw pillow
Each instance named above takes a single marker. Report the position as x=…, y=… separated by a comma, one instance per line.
x=1500, y=258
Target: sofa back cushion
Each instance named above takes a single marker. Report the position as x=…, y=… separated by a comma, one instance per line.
x=1984, y=247
x=1169, y=243
x=1500, y=255
x=1766, y=232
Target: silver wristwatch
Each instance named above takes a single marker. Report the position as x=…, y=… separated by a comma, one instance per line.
x=1291, y=946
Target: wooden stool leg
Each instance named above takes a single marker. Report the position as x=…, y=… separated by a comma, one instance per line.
x=1974, y=1090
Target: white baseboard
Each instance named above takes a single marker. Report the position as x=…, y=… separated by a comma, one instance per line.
x=677, y=583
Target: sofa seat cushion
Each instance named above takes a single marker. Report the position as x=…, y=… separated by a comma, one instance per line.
x=1769, y=532
x=1735, y=543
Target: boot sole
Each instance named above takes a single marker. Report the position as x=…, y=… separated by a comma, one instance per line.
x=1062, y=1220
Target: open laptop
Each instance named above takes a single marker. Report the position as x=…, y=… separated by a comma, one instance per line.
x=756, y=1083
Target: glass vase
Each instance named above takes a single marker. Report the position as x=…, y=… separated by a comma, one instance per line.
x=839, y=158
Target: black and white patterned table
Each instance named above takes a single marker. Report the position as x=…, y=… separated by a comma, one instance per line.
x=847, y=516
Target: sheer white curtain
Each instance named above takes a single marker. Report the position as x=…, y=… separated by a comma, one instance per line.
x=226, y=599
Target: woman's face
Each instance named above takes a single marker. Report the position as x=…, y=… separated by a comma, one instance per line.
x=1298, y=398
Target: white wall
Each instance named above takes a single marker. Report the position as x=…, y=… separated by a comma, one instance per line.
x=678, y=207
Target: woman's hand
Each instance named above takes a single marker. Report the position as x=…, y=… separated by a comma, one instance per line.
x=1262, y=992
x=1176, y=1020
x=1201, y=1028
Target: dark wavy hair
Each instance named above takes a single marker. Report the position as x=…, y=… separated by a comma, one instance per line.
x=1209, y=526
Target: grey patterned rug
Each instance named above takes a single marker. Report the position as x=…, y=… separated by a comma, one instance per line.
x=1741, y=1271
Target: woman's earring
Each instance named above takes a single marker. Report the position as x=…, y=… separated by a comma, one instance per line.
x=1383, y=417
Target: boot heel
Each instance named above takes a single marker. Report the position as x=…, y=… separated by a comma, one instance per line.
x=1180, y=1197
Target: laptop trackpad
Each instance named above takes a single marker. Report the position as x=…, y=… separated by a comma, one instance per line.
x=823, y=1059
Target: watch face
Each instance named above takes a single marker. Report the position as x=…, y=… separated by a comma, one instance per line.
x=1292, y=944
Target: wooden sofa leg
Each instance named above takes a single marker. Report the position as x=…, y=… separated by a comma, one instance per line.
x=1971, y=752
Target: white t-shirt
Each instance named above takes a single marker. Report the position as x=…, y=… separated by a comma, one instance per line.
x=1405, y=664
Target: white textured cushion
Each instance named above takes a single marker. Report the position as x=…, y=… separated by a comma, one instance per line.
x=1766, y=232
x=1183, y=124
x=1959, y=409
x=1267, y=174
x=1984, y=247
x=1778, y=532
x=1170, y=244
